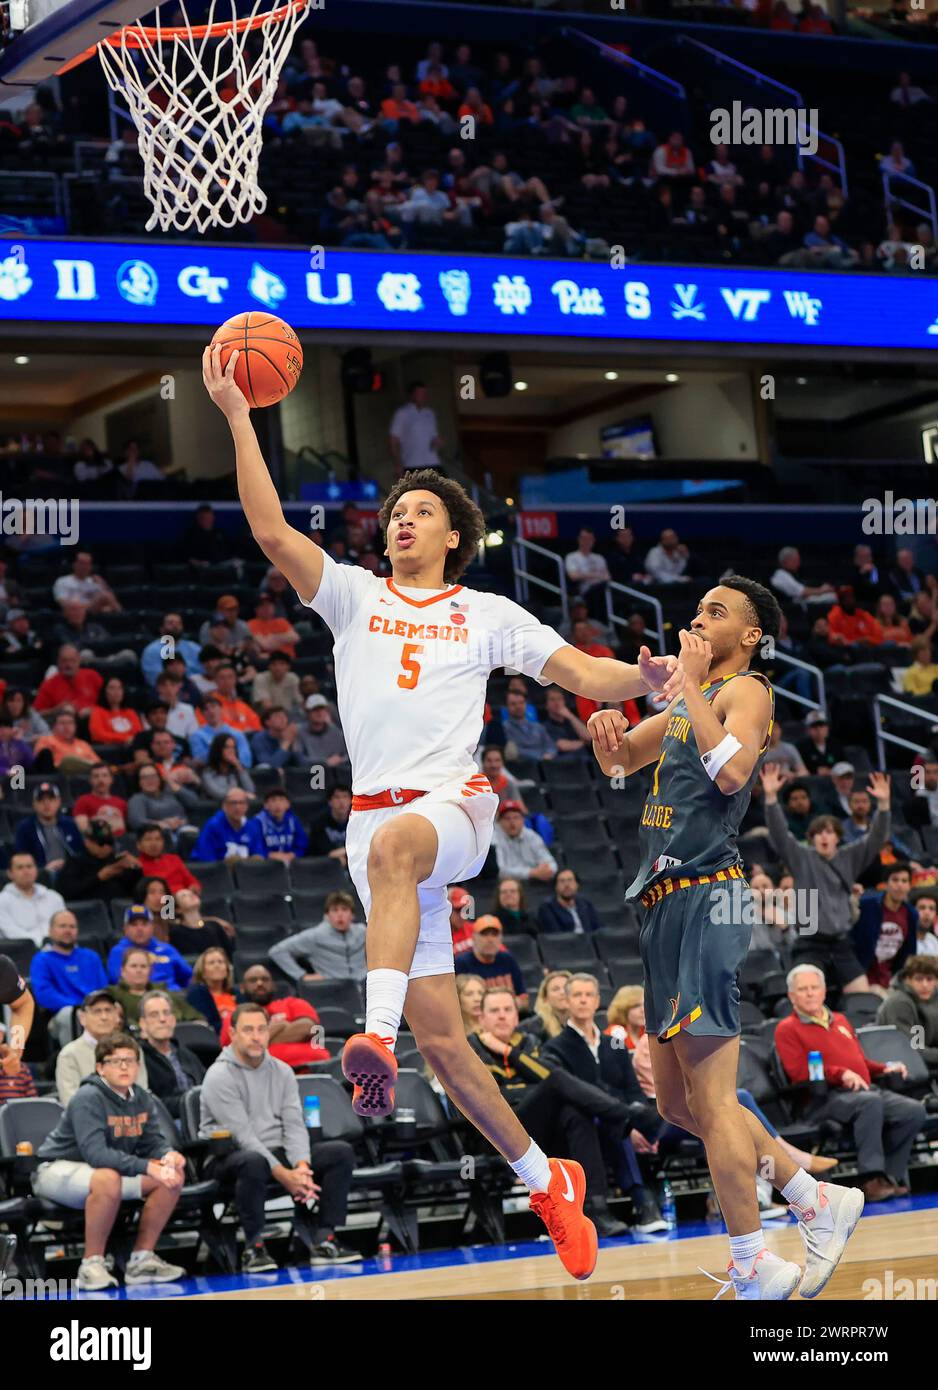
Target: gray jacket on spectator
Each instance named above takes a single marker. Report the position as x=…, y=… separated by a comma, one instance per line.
x=217, y=785
x=903, y=1009
x=831, y=879
x=335, y=954
x=108, y=1130
x=517, y=857
x=259, y=1106
x=317, y=748
x=142, y=808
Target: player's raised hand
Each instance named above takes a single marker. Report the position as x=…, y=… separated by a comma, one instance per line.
x=607, y=729
x=659, y=672
x=696, y=655
x=221, y=385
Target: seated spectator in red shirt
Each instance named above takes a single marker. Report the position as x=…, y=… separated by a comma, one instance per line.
x=272, y=634
x=436, y=84
x=62, y=750
x=473, y=105
x=583, y=641
x=396, y=107
x=294, y=1024
x=460, y=919
x=884, y=1123
x=849, y=625
x=156, y=863
x=72, y=685
x=782, y=18
x=236, y=713
x=100, y=803
x=815, y=22
x=111, y=721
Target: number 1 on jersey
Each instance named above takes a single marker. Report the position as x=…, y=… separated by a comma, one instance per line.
x=411, y=673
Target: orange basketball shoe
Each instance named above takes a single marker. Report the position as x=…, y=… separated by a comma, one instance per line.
x=561, y=1210
x=368, y=1061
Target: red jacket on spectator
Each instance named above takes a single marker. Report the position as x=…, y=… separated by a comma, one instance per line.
x=170, y=867
x=836, y=1041
x=295, y=1054
x=82, y=690
x=858, y=626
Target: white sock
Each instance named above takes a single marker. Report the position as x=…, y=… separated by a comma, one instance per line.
x=533, y=1168
x=744, y=1249
x=385, y=992
x=138, y=1255
x=802, y=1191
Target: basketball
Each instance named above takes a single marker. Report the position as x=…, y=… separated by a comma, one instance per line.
x=271, y=356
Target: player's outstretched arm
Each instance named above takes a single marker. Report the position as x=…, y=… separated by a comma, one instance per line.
x=295, y=555
x=619, y=753
x=605, y=679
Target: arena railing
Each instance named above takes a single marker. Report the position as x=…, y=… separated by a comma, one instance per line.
x=520, y=550
x=616, y=620
x=892, y=199
x=883, y=736
x=805, y=700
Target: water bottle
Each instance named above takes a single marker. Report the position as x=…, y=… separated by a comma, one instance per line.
x=668, y=1208
x=312, y=1112
x=815, y=1066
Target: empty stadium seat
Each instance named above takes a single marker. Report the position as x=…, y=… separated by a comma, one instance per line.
x=614, y=943
x=568, y=951
x=320, y=874
x=526, y=953
x=861, y=1009
x=265, y=876
x=338, y=994
x=215, y=878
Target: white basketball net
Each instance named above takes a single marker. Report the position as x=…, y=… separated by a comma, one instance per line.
x=198, y=98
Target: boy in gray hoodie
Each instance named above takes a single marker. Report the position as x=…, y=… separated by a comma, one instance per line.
x=108, y=1148
x=255, y=1098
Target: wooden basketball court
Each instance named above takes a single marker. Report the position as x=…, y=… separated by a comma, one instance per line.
x=887, y=1249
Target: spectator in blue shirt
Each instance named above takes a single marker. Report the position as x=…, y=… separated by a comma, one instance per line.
x=201, y=741
x=229, y=834
x=517, y=684
x=489, y=959
x=170, y=643
x=63, y=973
x=566, y=911
x=275, y=743
x=282, y=833
x=48, y=835
x=531, y=740
x=169, y=967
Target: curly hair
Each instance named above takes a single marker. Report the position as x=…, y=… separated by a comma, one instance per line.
x=762, y=607
x=463, y=514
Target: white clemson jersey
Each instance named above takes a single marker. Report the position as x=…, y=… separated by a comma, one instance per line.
x=411, y=669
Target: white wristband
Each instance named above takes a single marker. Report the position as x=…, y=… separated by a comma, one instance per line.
x=718, y=757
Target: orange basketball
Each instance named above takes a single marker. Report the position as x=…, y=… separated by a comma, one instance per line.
x=271, y=356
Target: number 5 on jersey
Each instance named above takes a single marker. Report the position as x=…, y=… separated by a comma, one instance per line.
x=411, y=672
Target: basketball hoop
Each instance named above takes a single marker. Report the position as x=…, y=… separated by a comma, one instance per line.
x=198, y=98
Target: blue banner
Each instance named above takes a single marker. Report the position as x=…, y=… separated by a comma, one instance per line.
x=144, y=283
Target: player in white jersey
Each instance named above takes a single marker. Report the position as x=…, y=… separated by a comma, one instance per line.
x=412, y=657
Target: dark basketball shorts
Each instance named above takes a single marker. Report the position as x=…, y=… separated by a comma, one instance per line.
x=692, y=955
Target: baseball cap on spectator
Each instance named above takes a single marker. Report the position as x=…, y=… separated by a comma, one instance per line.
x=227, y=601
x=486, y=924
x=317, y=702
x=816, y=717
x=841, y=769
x=45, y=789
x=510, y=806
x=137, y=913
x=96, y=996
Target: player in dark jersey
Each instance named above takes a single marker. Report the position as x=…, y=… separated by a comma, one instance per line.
x=706, y=749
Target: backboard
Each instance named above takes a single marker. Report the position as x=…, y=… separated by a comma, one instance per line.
x=49, y=33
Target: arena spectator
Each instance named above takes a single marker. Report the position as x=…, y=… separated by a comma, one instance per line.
x=906, y=581
x=666, y=562
x=270, y=632
x=135, y=982
x=470, y=991
x=884, y=1124
x=905, y=93
x=772, y=915
x=920, y=807
x=897, y=161
x=224, y=771
x=851, y=626
x=14, y=752
x=75, y=628
x=599, y=632
x=414, y=436
x=596, y=1059
x=135, y=469
x=551, y=1008
x=785, y=754
x=567, y=910
x=460, y=919
x=181, y=720
x=922, y=618
x=825, y=872
x=886, y=931
x=925, y=901
x=214, y=723
x=567, y=731
x=785, y=580
x=510, y=908
x=49, y=835
x=212, y=987
x=18, y=638
x=332, y=950
x=169, y=968
x=229, y=834
x=154, y=859
x=275, y=744
x=154, y=803
x=61, y=750
x=27, y=906
x=172, y=1068
x=912, y=1007
x=894, y=625
x=839, y=787
x=72, y=686
x=171, y=641
x=328, y=829
x=234, y=632
x=857, y=824
x=277, y=687
x=280, y=827
x=100, y=803
x=192, y=933
x=524, y=738
x=920, y=677
x=253, y=1095
x=672, y=159
x=489, y=959
x=63, y=973
x=294, y=1023
x=235, y=712
x=586, y=568
x=86, y=586
x=321, y=743
x=818, y=751
x=27, y=724
x=521, y=853
x=98, y=1017
x=108, y=1148
x=397, y=108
